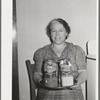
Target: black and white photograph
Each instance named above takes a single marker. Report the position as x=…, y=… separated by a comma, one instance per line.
x=53, y=50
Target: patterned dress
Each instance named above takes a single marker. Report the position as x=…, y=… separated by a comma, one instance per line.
x=75, y=55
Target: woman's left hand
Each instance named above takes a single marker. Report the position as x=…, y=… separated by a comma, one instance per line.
x=75, y=86
x=73, y=73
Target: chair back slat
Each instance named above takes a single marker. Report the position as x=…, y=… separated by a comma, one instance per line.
x=30, y=68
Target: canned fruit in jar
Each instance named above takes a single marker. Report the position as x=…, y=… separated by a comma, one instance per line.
x=65, y=68
x=50, y=66
x=67, y=80
x=50, y=82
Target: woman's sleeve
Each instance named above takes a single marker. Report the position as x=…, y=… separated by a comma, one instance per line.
x=80, y=58
x=38, y=58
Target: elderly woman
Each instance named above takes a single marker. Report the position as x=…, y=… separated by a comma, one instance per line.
x=58, y=31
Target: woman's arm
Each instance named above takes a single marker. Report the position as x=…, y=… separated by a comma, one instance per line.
x=82, y=77
x=81, y=66
x=38, y=58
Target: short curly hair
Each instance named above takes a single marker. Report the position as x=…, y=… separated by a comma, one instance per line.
x=63, y=22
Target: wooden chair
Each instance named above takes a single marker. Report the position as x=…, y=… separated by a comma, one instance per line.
x=30, y=70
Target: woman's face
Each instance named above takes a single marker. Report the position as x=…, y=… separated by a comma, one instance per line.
x=58, y=33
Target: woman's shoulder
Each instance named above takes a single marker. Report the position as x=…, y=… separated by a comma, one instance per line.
x=40, y=52
x=42, y=49
x=70, y=45
x=74, y=47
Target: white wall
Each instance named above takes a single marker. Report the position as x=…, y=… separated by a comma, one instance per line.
x=34, y=15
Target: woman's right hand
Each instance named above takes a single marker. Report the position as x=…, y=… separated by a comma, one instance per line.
x=37, y=77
